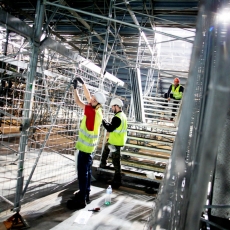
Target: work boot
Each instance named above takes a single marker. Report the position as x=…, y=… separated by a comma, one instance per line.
x=77, y=197
x=115, y=183
x=88, y=201
x=102, y=165
x=125, y=157
x=74, y=204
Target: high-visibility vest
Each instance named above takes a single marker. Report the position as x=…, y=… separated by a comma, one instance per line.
x=176, y=94
x=119, y=136
x=87, y=140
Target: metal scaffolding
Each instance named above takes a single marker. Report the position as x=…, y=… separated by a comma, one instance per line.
x=40, y=121
x=39, y=118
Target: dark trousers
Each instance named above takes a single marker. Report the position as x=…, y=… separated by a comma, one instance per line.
x=84, y=170
x=175, y=106
x=175, y=103
x=116, y=160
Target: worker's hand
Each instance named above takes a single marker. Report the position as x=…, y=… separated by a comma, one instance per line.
x=104, y=122
x=168, y=98
x=74, y=82
x=80, y=80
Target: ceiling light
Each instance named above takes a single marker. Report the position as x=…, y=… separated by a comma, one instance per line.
x=223, y=16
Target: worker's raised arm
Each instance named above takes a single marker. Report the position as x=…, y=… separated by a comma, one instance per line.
x=77, y=99
x=86, y=91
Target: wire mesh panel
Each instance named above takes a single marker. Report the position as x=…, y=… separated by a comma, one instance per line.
x=11, y=106
x=49, y=138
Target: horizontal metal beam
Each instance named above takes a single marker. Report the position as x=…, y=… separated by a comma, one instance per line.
x=9, y=115
x=74, y=56
x=23, y=29
x=56, y=46
x=15, y=24
x=118, y=21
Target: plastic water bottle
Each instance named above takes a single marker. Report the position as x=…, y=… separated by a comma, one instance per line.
x=108, y=195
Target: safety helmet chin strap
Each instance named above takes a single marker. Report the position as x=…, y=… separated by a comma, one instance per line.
x=97, y=106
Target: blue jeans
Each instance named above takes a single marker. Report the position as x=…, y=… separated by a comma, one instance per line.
x=85, y=161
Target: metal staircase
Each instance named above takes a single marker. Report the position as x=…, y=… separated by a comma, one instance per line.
x=148, y=148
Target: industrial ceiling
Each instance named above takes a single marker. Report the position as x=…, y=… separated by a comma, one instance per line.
x=155, y=36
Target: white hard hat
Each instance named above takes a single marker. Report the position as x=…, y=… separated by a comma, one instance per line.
x=100, y=97
x=116, y=101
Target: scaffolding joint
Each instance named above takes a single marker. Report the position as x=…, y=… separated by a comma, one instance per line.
x=24, y=127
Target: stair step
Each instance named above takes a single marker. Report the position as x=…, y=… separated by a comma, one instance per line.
x=169, y=127
x=159, y=112
x=162, y=120
x=141, y=176
x=148, y=156
x=167, y=143
x=151, y=133
x=141, y=165
x=149, y=148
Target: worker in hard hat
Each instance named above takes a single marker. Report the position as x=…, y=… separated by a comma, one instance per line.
x=117, y=129
x=175, y=92
x=87, y=141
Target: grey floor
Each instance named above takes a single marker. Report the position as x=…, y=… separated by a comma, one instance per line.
x=130, y=209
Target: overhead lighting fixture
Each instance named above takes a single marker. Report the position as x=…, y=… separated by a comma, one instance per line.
x=223, y=16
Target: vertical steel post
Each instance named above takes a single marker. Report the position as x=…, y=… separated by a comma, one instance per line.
x=106, y=41
x=27, y=107
x=6, y=44
x=215, y=113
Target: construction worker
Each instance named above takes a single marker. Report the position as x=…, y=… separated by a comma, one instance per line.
x=87, y=141
x=117, y=129
x=175, y=92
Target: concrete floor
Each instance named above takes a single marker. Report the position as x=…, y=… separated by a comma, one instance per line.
x=130, y=209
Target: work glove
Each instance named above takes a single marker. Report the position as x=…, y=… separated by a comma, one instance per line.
x=80, y=80
x=74, y=83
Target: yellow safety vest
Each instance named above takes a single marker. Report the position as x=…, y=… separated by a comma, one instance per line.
x=119, y=136
x=176, y=94
x=87, y=140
